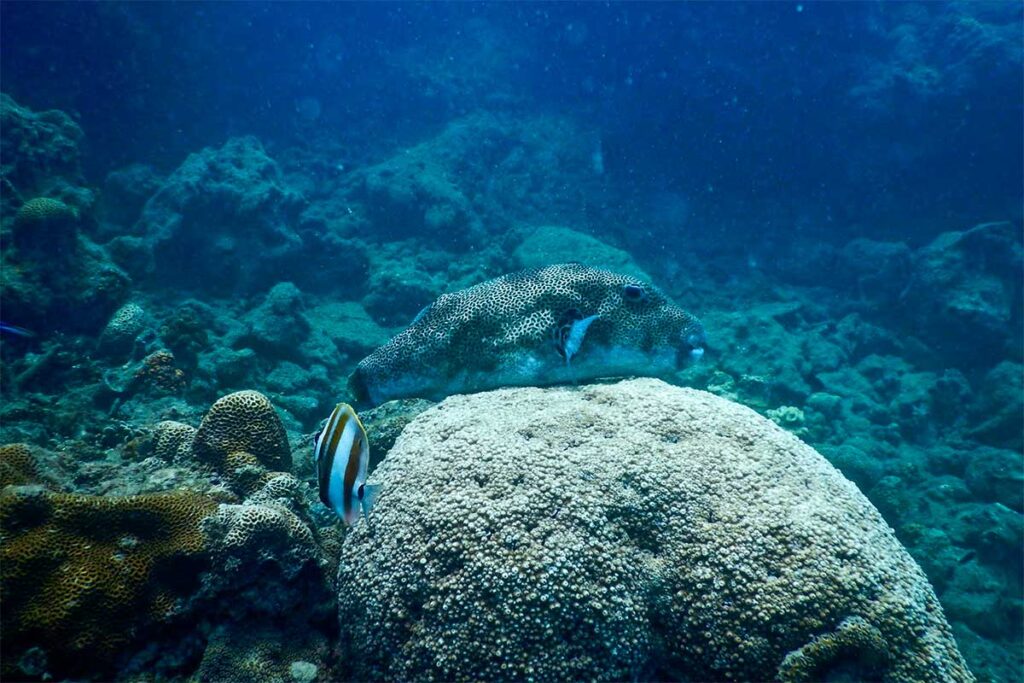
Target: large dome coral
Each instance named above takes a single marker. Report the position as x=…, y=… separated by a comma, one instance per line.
x=634, y=531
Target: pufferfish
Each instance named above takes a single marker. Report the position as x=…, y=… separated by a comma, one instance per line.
x=551, y=325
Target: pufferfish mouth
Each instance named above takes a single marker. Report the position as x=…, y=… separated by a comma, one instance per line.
x=692, y=342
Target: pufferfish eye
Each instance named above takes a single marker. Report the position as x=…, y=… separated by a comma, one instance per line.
x=634, y=293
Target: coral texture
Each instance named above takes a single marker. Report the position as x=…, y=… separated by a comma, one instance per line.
x=626, y=531
x=244, y=421
x=17, y=465
x=83, y=575
x=172, y=441
x=48, y=224
x=124, y=326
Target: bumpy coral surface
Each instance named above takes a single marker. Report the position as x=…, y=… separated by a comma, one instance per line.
x=244, y=421
x=627, y=531
x=84, y=575
x=172, y=441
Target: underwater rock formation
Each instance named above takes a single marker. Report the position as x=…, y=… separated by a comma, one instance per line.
x=627, y=531
x=41, y=157
x=221, y=221
x=278, y=326
x=964, y=296
x=54, y=276
x=555, y=244
x=481, y=175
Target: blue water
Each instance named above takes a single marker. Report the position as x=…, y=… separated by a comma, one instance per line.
x=835, y=189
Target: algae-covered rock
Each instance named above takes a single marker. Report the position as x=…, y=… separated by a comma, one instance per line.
x=999, y=409
x=41, y=155
x=627, y=531
x=353, y=333
x=554, y=244
x=278, y=325
x=221, y=221
x=964, y=293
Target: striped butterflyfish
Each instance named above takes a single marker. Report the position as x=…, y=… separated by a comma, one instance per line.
x=341, y=453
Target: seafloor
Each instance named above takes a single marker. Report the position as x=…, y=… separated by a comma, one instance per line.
x=248, y=269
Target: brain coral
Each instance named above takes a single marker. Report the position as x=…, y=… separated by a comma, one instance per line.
x=634, y=531
x=244, y=421
x=45, y=223
x=124, y=326
x=83, y=575
x=172, y=441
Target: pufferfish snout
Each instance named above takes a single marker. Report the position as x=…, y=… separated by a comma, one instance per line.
x=552, y=325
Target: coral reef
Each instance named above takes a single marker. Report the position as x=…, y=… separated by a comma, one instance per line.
x=893, y=348
x=623, y=531
x=118, y=337
x=860, y=644
x=17, y=465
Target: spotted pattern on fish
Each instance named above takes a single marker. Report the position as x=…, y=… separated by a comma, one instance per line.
x=500, y=332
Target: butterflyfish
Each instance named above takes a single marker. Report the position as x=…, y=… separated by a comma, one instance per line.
x=341, y=453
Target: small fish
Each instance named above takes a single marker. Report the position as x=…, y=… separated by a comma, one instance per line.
x=341, y=453
x=16, y=331
x=569, y=333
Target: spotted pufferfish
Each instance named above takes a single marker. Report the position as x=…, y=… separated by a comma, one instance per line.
x=556, y=324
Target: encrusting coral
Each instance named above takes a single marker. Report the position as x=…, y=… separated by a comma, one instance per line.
x=84, y=575
x=629, y=531
x=17, y=465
